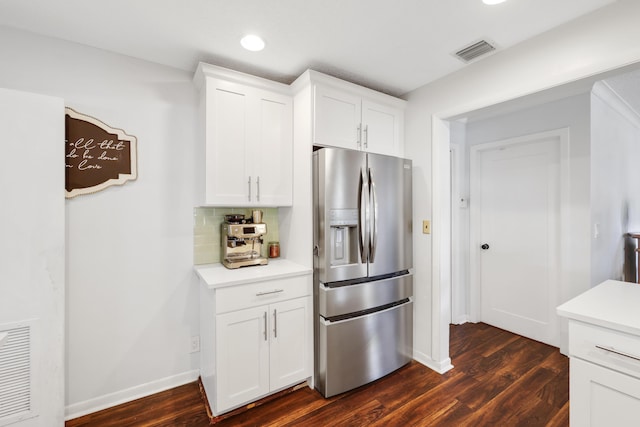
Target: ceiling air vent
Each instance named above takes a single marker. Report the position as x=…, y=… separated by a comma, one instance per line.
x=475, y=50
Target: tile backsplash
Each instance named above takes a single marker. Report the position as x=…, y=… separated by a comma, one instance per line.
x=206, y=231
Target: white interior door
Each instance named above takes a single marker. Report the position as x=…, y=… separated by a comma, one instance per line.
x=516, y=233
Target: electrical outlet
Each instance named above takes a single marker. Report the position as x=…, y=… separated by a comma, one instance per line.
x=426, y=226
x=195, y=343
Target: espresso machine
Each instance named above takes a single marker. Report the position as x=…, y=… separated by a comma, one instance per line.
x=242, y=242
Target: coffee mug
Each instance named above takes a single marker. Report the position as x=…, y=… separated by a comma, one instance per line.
x=256, y=216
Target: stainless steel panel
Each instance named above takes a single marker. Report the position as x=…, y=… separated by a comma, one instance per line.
x=359, y=350
x=337, y=183
x=392, y=214
x=363, y=296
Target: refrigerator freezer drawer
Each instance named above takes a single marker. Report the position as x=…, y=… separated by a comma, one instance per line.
x=363, y=296
x=359, y=350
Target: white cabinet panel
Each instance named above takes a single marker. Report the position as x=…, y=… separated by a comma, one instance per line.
x=273, y=154
x=604, y=350
x=601, y=397
x=248, y=140
x=233, y=298
x=382, y=128
x=605, y=347
x=290, y=342
x=347, y=119
x=242, y=348
x=226, y=168
x=337, y=118
x=256, y=338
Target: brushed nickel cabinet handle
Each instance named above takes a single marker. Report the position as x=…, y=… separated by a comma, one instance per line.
x=618, y=352
x=275, y=323
x=366, y=136
x=265, y=325
x=258, y=188
x=275, y=291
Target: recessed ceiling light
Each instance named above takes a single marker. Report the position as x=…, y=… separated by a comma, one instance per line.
x=492, y=2
x=252, y=43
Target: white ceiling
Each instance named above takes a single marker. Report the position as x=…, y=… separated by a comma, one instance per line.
x=390, y=45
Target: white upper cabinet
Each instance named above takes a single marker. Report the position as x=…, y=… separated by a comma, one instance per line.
x=349, y=116
x=382, y=128
x=337, y=118
x=248, y=139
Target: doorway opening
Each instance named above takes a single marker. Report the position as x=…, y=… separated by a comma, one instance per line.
x=599, y=207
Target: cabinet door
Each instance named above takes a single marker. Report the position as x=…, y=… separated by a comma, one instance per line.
x=242, y=351
x=290, y=342
x=271, y=150
x=382, y=127
x=602, y=397
x=337, y=118
x=226, y=144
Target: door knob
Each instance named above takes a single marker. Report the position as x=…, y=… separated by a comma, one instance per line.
x=485, y=246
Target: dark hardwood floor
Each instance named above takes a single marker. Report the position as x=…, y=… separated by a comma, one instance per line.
x=499, y=379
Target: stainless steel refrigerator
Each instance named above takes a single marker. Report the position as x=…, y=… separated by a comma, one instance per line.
x=363, y=253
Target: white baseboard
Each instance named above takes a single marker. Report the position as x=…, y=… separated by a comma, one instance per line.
x=123, y=396
x=460, y=320
x=440, y=367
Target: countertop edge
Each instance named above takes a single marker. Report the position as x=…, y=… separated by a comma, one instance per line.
x=611, y=310
x=214, y=276
x=599, y=322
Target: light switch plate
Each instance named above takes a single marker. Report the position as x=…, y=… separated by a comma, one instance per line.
x=426, y=226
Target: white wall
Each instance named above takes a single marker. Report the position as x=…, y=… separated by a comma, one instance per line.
x=615, y=202
x=598, y=42
x=132, y=294
x=32, y=276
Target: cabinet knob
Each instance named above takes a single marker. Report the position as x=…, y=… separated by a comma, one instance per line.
x=485, y=246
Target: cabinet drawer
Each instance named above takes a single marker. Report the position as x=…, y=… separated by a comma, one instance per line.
x=605, y=347
x=252, y=295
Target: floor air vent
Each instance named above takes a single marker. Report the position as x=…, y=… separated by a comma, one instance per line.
x=475, y=50
x=15, y=373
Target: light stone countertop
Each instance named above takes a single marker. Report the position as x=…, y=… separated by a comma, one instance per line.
x=612, y=304
x=217, y=275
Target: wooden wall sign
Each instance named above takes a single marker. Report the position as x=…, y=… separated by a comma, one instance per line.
x=97, y=155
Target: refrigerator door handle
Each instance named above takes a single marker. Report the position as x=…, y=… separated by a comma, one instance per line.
x=373, y=233
x=363, y=217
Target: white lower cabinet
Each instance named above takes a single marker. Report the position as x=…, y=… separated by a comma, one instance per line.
x=242, y=350
x=602, y=397
x=261, y=349
x=289, y=342
x=256, y=339
x=604, y=376
x=604, y=355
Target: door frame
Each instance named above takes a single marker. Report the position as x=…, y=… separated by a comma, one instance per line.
x=458, y=269
x=562, y=136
